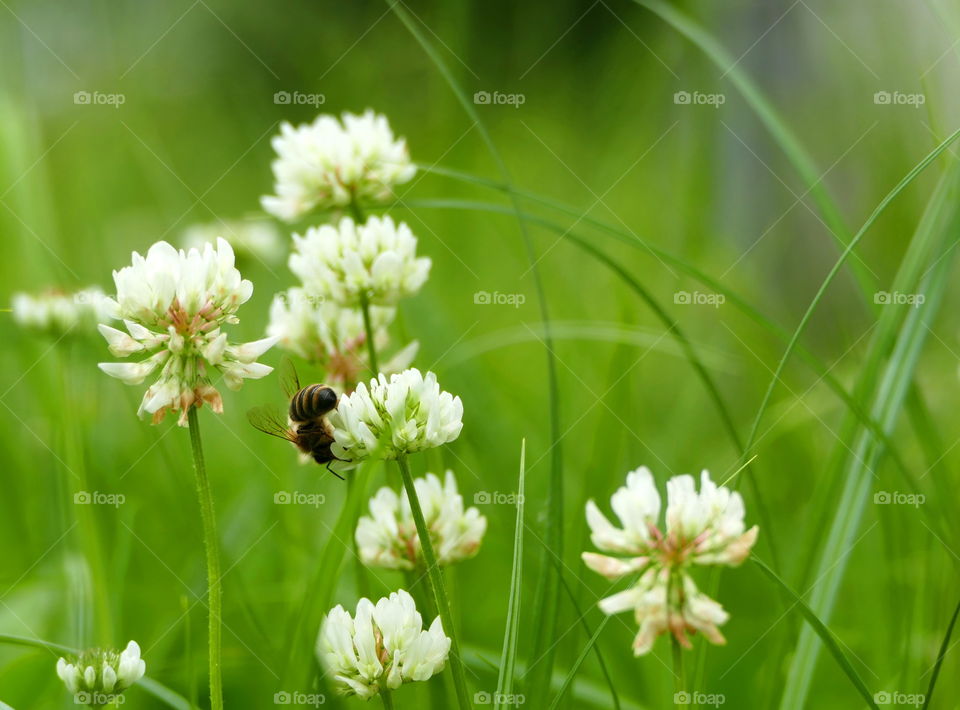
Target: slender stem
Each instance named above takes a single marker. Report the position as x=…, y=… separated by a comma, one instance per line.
x=357, y=212
x=210, y=541
x=680, y=694
x=436, y=585
x=368, y=329
x=387, y=699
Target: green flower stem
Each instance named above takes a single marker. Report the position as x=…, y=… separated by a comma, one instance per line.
x=210, y=541
x=360, y=218
x=436, y=585
x=678, y=677
x=387, y=699
x=368, y=328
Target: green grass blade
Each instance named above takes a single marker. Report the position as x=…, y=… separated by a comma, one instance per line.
x=547, y=597
x=835, y=269
x=867, y=452
x=823, y=632
x=575, y=668
x=780, y=132
x=592, y=637
x=944, y=647
x=511, y=633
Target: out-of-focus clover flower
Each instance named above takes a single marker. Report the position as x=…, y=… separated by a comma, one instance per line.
x=333, y=336
x=388, y=536
x=348, y=263
x=97, y=677
x=256, y=238
x=704, y=528
x=394, y=417
x=333, y=162
x=381, y=647
x=59, y=313
x=173, y=304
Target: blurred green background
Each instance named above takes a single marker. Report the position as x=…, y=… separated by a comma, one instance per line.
x=599, y=129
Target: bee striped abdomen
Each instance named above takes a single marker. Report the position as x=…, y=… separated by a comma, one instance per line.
x=311, y=402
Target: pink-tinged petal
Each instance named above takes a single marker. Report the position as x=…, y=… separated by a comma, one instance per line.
x=626, y=600
x=612, y=567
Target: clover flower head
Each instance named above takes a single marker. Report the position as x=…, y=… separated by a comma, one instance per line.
x=58, y=313
x=702, y=528
x=255, y=238
x=349, y=262
x=333, y=162
x=390, y=418
x=382, y=646
x=333, y=336
x=388, y=536
x=96, y=677
x=173, y=304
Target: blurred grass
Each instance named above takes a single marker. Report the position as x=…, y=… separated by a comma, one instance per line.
x=82, y=186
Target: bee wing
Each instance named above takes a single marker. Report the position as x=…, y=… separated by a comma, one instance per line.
x=289, y=381
x=267, y=419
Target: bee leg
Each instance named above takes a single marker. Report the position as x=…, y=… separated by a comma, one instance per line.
x=333, y=472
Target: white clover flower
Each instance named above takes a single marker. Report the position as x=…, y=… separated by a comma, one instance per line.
x=98, y=676
x=392, y=418
x=704, y=528
x=334, y=336
x=348, y=262
x=257, y=238
x=56, y=312
x=388, y=536
x=331, y=163
x=173, y=304
x=380, y=647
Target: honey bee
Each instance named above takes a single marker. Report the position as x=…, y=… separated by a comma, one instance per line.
x=306, y=425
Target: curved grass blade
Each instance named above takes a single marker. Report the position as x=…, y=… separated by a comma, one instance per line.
x=907, y=179
x=944, y=647
x=585, y=692
x=575, y=668
x=155, y=688
x=511, y=633
x=867, y=453
x=823, y=632
x=781, y=134
x=547, y=596
x=591, y=644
